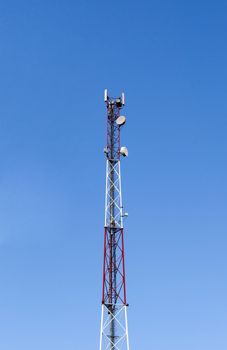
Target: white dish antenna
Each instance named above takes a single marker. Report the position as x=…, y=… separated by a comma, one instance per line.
x=124, y=151
x=121, y=120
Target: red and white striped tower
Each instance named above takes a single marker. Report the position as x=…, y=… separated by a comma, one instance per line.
x=114, y=326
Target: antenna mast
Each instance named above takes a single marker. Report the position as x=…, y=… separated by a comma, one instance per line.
x=114, y=325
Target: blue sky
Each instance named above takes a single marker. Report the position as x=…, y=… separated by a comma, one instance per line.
x=56, y=58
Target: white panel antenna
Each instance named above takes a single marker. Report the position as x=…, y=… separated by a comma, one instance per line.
x=105, y=95
x=123, y=98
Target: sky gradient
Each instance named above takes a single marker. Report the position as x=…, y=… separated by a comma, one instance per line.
x=56, y=58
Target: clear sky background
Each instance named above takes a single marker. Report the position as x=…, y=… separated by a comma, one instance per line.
x=56, y=58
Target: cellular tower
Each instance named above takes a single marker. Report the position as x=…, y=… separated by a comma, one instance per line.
x=114, y=325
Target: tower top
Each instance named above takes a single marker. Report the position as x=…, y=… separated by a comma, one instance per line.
x=119, y=101
x=115, y=121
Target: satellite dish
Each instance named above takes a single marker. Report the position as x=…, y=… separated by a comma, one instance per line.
x=124, y=151
x=121, y=120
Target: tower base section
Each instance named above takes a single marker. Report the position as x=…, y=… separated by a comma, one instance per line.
x=114, y=328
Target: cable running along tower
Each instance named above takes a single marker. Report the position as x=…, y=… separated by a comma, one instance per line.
x=114, y=326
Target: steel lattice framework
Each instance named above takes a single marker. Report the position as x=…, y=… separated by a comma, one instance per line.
x=114, y=327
